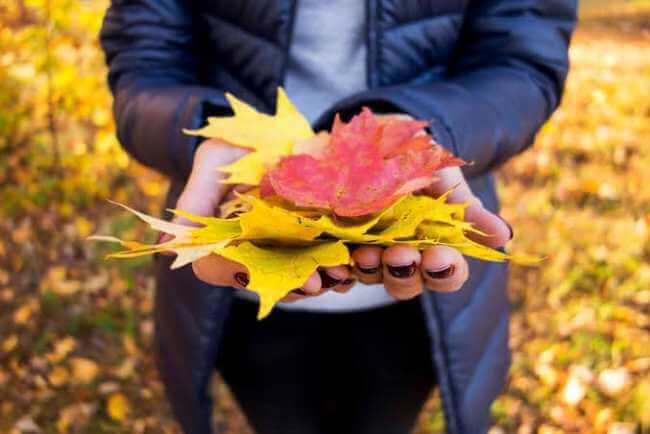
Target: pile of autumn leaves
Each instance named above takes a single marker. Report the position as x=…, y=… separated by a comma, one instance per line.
x=314, y=195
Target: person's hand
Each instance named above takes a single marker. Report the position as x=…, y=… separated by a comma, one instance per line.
x=405, y=271
x=202, y=196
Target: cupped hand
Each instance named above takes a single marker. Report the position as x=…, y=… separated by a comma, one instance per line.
x=202, y=195
x=405, y=271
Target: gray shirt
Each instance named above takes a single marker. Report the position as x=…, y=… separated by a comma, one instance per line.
x=327, y=57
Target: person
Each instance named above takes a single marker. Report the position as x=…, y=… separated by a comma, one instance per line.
x=337, y=355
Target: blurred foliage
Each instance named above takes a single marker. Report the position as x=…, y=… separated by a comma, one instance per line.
x=76, y=331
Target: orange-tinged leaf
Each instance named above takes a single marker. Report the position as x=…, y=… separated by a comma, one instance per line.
x=366, y=167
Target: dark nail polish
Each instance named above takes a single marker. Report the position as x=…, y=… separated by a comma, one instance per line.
x=371, y=270
x=347, y=282
x=328, y=281
x=442, y=274
x=512, y=233
x=299, y=292
x=242, y=279
x=403, y=271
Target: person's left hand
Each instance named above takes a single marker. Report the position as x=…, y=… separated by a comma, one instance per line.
x=405, y=271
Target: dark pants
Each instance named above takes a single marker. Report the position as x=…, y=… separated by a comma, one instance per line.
x=328, y=373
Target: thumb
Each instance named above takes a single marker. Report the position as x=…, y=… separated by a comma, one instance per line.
x=204, y=190
x=498, y=231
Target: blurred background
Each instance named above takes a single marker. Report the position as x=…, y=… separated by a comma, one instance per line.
x=76, y=330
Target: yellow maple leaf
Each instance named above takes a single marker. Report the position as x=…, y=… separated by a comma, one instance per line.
x=403, y=219
x=275, y=271
x=265, y=221
x=294, y=243
x=355, y=231
x=189, y=243
x=268, y=137
x=455, y=235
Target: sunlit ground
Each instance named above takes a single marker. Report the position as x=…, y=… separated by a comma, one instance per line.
x=76, y=331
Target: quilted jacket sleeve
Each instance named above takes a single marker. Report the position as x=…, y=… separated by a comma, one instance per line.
x=505, y=82
x=152, y=74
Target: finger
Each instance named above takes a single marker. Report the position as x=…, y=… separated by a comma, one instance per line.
x=195, y=200
x=239, y=188
x=217, y=270
x=313, y=285
x=330, y=277
x=345, y=286
x=163, y=238
x=497, y=231
x=204, y=191
x=323, y=280
x=367, y=264
x=310, y=288
x=293, y=296
x=443, y=269
x=400, y=272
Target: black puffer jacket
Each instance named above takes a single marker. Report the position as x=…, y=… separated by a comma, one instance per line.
x=488, y=73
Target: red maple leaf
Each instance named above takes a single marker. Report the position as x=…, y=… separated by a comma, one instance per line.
x=368, y=164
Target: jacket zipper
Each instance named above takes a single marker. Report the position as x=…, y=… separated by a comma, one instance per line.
x=372, y=40
x=292, y=20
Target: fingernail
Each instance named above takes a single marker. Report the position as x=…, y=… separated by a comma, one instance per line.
x=369, y=270
x=327, y=281
x=347, y=282
x=242, y=279
x=512, y=233
x=164, y=237
x=402, y=271
x=443, y=273
x=300, y=292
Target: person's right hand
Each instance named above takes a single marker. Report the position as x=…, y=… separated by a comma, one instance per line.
x=202, y=196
